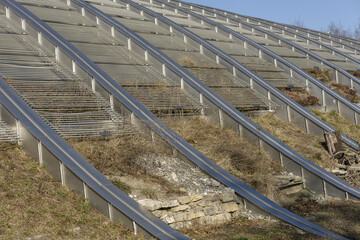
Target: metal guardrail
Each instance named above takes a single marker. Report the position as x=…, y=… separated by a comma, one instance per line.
x=231, y=118
x=290, y=32
x=329, y=98
x=348, y=42
x=74, y=171
x=67, y=54
x=341, y=74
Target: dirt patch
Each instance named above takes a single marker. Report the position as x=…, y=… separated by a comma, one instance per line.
x=341, y=217
x=309, y=146
x=232, y=153
x=32, y=203
x=243, y=229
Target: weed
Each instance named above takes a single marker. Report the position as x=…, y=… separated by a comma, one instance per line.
x=302, y=97
x=228, y=150
x=295, y=138
x=122, y=186
x=186, y=61
x=150, y=193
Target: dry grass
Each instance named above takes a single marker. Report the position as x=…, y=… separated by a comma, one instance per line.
x=326, y=77
x=323, y=75
x=119, y=158
x=232, y=153
x=307, y=145
x=186, y=62
x=32, y=203
x=355, y=73
x=302, y=97
x=340, y=123
x=118, y=155
x=347, y=92
x=243, y=229
x=341, y=217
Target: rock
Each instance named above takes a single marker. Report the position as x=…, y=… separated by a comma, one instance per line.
x=174, y=177
x=169, y=219
x=196, y=197
x=194, y=214
x=216, y=219
x=180, y=208
x=184, y=199
x=170, y=203
x=150, y=204
x=227, y=195
x=230, y=207
x=339, y=172
x=177, y=225
x=215, y=183
x=179, y=217
x=209, y=211
x=353, y=168
x=212, y=197
x=158, y=213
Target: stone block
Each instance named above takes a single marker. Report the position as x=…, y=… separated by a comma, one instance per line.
x=230, y=207
x=150, y=204
x=227, y=195
x=196, y=197
x=170, y=203
x=180, y=208
x=184, y=199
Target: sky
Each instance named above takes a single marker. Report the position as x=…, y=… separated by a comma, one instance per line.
x=315, y=14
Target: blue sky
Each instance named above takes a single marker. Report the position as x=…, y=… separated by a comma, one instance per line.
x=315, y=14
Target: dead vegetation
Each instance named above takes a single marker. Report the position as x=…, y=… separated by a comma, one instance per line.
x=333, y=118
x=119, y=158
x=326, y=77
x=187, y=62
x=309, y=146
x=302, y=97
x=341, y=217
x=355, y=73
x=243, y=229
x=232, y=153
x=35, y=205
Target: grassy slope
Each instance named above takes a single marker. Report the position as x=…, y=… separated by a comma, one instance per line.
x=242, y=229
x=33, y=203
x=307, y=145
x=232, y=153
x=342, y=217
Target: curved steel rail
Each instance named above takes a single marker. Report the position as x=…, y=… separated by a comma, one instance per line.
x=330, y=99
x=316, y=42
x=82, y=65
x=74, y=171
x=229, y=114
x=293, y=33
x=352, y=80
x=349, y=42
x=352, y=42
